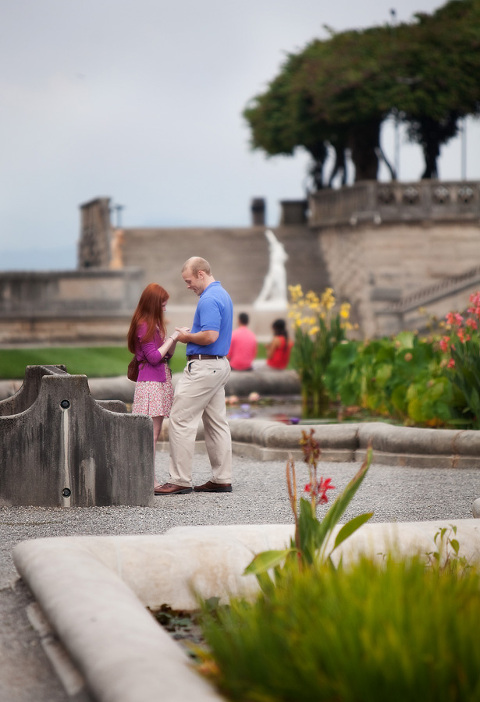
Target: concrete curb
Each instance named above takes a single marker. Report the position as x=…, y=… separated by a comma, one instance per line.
x=392, y=445
x=94, y=592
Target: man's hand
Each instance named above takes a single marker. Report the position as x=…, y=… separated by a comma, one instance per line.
x=202, y=338
x=182, y=334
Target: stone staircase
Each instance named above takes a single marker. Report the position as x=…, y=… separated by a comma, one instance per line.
x=239, y=258
x=450, y=294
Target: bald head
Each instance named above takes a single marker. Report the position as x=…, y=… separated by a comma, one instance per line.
x=195, y=264
x=196, y=274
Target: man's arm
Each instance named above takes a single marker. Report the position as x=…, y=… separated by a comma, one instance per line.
x=202, y=338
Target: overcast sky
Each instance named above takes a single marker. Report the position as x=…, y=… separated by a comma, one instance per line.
x=141, y=101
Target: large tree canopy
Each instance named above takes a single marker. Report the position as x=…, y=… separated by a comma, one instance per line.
x=337, y=92
x=281, y=119
x=439, y=76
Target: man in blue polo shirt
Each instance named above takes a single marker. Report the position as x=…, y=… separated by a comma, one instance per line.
x=200, y=392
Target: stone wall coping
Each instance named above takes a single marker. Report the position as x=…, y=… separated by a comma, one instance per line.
x=392, y=445
x=94, y=592
x=83, y=273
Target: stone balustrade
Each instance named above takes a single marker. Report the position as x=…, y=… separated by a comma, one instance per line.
x=372, y=201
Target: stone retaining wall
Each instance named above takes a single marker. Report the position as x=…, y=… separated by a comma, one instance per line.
x=60, y=447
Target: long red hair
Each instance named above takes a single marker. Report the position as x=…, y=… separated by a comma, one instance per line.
x=150, y=311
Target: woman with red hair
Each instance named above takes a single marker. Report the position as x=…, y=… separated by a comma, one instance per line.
x=148, y=340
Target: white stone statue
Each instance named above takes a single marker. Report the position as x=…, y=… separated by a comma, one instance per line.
x=273, y=294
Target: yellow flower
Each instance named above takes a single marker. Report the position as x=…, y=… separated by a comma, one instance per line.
x=328, y=299
x=295, y=292
x=313, y=331
x=345, y=310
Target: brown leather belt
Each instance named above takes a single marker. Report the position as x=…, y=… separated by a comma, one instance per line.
x=201, y=356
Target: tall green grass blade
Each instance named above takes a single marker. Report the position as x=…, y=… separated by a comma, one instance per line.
x=338, y=508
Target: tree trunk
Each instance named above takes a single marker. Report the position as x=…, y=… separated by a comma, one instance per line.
x=364, y=141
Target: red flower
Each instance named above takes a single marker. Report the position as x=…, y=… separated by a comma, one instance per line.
x=454, y=318
x=444, y=342
x=475, y=299
x=462, y=337
x=320, y=489
x=451, y=363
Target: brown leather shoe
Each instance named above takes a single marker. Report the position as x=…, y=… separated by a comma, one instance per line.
x=171, y=489
x=213, y=487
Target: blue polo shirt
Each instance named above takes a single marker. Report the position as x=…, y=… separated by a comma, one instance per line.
x=214, y=313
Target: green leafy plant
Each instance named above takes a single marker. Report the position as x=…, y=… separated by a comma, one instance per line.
x=311, y=542
x=402, y=378
x=447, y=556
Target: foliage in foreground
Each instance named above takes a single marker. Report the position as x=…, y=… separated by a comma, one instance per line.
x=394, y=630
x=373, y=630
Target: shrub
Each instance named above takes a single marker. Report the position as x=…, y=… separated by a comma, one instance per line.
x=461, y=344
x=375, y=631
x=402, y=378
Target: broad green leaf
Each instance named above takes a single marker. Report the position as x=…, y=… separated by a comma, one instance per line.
x=455, y=545
x=350, y=527
x=266, y=560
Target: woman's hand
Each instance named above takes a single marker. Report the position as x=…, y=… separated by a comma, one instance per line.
x=181, y=334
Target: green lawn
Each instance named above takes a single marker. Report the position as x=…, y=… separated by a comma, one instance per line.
x=95, y=361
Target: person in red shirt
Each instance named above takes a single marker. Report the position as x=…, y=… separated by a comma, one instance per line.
x=243, y=348
x=278, y=350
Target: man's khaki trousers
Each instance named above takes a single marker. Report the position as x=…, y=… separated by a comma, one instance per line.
x=200, y=393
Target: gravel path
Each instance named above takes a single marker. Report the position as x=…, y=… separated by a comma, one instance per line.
x=259, y=497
